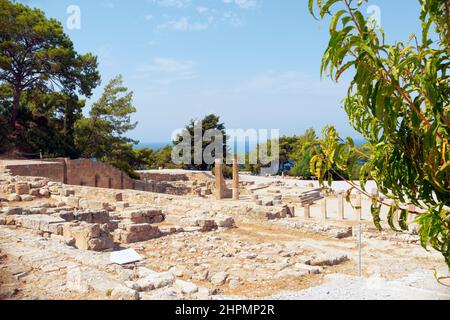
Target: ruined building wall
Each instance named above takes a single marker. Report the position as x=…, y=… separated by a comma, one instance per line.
x=83, y=172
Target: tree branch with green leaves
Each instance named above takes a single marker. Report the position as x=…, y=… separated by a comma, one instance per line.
x=399, y=101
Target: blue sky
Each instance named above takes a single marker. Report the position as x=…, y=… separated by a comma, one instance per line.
x=253, y=62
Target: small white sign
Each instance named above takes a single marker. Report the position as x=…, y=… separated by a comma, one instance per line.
x=125, y=256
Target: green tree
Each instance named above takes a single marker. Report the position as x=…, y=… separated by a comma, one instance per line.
x=302, y=154
x=144, y=159
x=210, y=122
x=101, y=135
x=399, y=101
x=36, y=54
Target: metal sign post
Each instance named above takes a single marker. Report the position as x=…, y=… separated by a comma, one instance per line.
x=360, y=250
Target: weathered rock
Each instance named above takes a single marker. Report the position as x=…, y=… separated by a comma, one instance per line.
x=143, y=215
x=310, y=269
x=22, y=188
x=155, y=281
x=75, y=281
x=72, y=201
x=92, y=216
x=291, y=273
x=65, y=240
x=226, y=222
x=13, y=197
x=131, y=233
x=93, y=204
x=89, y=236
x=327, y=260
x=27, y=198
x=344, y=234
x=186, y=287
x=124, y=293
x=206, y=225
x=12, y=211
x=42, y=223
x=219, y=278
x=44, y=193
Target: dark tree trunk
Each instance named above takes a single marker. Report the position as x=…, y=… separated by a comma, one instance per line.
x=15, y=108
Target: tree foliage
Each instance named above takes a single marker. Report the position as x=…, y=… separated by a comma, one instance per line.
x=209, y=122
x=35, y=53
x=101, y=135
x=398, y=100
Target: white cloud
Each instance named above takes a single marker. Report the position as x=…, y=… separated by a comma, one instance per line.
x=173, y=3
x=167, y=70
x=184, y=24
x=289, y=82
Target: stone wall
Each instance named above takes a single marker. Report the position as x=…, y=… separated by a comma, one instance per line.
x=83, y=172
x=155, y=176
x=51, y=170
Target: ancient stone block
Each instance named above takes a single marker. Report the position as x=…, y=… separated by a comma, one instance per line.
x=327, y=260
x=34, y=192
x=310, y=269
x=22, y=188
x=156, y=281
x=67, y=215
x=11, y=211
x=27, y=198
x=219, y=278
x=132, y=233
x=89, y=236
x=72, y=201
x=93, y=204
x=42, y=223
x=206, y=225
x=92, y=216
x=226, y=222
x=13, y=197
x=65, y=240
x=124, y=293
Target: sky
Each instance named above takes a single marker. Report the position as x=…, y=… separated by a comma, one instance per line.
x=255, y=63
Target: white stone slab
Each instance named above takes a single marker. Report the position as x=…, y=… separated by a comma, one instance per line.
x=125, y=256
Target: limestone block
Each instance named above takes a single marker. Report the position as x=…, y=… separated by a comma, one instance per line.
x=34, y=192
x=88, y=236
x=42, y=223
x=155, y=281
x=13, y=197
x=219, y=278
x=226, y=222
x=65, y=240
x=12, y=211
x=72, y=201
x=206, y=225
x=93, y=204
x=124, y=293
x=22, y=188
x=92, y=216
x=136, y=233
x=327, y=260
x=186, y=287
x=310, y=269
x=27, y=198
